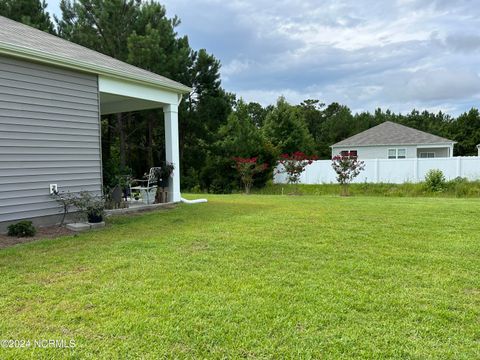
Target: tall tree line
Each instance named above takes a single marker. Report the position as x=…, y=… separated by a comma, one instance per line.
x=214, y=125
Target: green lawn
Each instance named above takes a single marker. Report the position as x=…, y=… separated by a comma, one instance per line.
x=256, y=277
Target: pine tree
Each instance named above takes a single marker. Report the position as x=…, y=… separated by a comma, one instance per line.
x=286, y=129
x=29, y=12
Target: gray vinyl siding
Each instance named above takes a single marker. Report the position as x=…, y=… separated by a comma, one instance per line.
x=49, y=134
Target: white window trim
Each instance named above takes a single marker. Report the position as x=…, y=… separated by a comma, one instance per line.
x=396, y=153
x=426, y=153
x=388, y=154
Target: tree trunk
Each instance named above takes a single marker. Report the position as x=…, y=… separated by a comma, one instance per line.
x=107, y=140
x=122, y=140
x=150, y=129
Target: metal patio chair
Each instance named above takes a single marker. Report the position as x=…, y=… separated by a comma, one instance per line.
x=146, y=186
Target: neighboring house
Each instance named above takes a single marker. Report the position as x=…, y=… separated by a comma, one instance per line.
x=52, y=94
x=390, y=140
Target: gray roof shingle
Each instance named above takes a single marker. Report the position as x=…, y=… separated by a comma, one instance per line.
x=41, y=46
x=390, y=133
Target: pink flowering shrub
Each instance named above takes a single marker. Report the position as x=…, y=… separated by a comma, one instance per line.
x=347, y=168
x=247, y=168
x=294, y=164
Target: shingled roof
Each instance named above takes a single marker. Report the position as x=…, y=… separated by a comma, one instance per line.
x=390, y=133
x=17, y=39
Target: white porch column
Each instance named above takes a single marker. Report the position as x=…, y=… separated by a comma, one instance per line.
x=172, y=149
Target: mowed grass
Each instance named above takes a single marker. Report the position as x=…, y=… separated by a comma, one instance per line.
x=256, y=277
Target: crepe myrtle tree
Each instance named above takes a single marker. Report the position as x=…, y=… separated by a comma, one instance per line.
x=294, y=165
x=247, y=168
x=347, y=167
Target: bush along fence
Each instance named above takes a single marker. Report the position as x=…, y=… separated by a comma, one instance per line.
x=392, y=171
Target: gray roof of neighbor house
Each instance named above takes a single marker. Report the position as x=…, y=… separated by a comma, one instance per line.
x=17, y=39
x=390, y=133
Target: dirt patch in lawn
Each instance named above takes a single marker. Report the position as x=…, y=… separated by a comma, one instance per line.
x=47, y=232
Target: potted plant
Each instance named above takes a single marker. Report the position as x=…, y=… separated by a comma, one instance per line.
x=166, y=171
x=163, y=180
x=92, y=206
x=95, y=212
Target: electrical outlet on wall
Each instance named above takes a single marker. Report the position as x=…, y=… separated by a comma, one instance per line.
x=53, y=188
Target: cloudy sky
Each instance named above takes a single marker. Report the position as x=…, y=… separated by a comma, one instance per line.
x=396, y=54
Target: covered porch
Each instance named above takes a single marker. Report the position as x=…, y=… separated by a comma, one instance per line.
x=119, y=95
x=434, y=151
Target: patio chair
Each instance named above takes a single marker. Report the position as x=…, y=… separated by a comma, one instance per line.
x=147, y=187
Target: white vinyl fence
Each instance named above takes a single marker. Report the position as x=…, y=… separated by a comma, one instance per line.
x=394, y=171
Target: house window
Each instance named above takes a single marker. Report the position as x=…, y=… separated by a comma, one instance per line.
x=349, y=153
x=397, y=153
x=425, y=155
x=392, y=153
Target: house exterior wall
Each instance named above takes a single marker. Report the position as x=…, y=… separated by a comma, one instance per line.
x=49, y=134
x=375, y=152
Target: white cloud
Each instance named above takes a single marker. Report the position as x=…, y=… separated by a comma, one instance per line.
x=234, y=67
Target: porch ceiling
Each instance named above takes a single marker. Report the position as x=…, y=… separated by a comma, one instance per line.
x=111, y=104
x=120, y=95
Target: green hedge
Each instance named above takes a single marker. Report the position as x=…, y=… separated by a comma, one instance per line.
x=454, y=188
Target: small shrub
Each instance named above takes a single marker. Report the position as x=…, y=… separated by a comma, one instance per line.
x=462, y=189
x=87, y=205
x=218, y=186
x=347, y=168
x=294, y=164
x=435, y=181
x=247, y=168
x=196, y=189
x=67, y=200
x=22, y=229
x=460, y=186
x=459, y=180
x=92, y=206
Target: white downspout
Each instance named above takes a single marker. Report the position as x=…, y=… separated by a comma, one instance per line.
x=197, y=201
x=183, y=200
